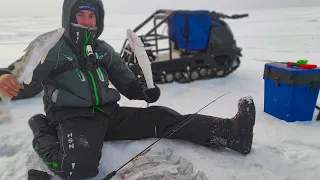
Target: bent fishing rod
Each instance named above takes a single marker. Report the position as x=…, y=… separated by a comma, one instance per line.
x=113, y=173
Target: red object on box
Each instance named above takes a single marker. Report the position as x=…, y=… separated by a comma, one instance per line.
x=302, y=66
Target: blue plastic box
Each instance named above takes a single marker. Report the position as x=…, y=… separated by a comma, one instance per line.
x=290, y=93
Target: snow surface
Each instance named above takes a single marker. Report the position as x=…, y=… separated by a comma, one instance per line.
x=281, y=150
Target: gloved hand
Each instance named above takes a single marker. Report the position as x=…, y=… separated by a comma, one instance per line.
x=138, y=90
x=152, y=95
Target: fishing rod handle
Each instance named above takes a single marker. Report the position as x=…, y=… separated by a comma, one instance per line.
x=110, y=175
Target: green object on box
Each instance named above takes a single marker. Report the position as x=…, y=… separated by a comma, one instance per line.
x=302, y=61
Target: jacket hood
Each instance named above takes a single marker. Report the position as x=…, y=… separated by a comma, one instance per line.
x=67, y=12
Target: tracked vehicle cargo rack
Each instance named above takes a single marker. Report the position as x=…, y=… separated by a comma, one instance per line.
x=197, y=45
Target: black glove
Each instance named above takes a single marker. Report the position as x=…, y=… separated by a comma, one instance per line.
x=138, y=90
x=151, y=95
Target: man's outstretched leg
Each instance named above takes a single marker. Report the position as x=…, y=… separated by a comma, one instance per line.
x=155, y=121
x=71, y=149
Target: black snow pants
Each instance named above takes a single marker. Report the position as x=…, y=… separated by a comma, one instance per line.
x=72, y=148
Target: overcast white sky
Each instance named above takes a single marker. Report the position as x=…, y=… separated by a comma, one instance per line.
x=53, y=7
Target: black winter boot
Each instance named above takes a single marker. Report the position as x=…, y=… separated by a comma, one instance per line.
x=241, y=133
x=221, y=130
x=38, y=123
x=37, y=175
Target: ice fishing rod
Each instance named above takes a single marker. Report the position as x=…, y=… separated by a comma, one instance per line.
x=113, y=173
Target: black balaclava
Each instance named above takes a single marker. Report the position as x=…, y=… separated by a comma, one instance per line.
x=82, y=35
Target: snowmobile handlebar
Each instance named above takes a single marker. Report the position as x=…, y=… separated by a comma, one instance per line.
x=234, y=16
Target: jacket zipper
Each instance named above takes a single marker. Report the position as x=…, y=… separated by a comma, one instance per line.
x=95, y=89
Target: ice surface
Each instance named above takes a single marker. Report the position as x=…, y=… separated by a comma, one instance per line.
x=281, y=150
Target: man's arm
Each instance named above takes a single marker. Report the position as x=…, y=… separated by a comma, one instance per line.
x=124, y=79
x=29, y=91
x=35, y=87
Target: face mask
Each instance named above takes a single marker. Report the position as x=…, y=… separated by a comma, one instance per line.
x=81, y=36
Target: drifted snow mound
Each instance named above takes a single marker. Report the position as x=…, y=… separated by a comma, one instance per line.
x=159, y=166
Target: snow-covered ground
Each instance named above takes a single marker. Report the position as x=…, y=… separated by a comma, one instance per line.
x=281, y=150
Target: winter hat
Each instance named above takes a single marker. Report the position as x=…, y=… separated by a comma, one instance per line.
x=85, y=5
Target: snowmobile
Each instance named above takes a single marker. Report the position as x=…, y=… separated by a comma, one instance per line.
x=197, y=44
